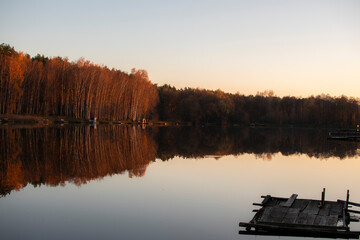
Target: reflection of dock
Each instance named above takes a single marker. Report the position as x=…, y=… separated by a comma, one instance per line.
x=302, y=217
x=345, y=134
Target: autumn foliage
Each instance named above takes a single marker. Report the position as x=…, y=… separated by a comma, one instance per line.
x=55, y=86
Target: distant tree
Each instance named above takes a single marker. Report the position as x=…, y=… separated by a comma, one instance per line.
x=7, y=50
x=40, y=58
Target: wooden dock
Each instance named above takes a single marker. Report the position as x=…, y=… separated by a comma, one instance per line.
x=348, y=135
x=302, y=217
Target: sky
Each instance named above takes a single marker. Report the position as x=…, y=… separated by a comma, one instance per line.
x=293, y=47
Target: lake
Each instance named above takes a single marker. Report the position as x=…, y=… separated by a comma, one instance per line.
x=126, y=182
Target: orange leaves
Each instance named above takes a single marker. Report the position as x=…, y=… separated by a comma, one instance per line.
x=142, y=74
x=12, y=67
x=79, y=89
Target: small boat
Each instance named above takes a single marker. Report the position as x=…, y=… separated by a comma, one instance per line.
x=302, y=218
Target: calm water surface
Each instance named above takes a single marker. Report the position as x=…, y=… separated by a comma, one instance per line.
x=117, y=182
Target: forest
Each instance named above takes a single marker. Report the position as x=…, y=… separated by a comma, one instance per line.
x=201, y=106
x=57, y=87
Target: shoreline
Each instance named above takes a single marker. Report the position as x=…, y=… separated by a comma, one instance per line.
x=41, y=121
x=17, y=120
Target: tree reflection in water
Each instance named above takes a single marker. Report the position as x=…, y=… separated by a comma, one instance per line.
x=263, y=142
x=78, y=154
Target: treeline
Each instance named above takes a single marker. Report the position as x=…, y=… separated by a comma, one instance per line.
x=201, y=106
x=55, y=86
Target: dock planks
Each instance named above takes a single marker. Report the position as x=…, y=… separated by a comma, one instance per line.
x=289, y=202
x=302, y=216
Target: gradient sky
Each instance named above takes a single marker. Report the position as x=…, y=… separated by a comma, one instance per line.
x=294, y=47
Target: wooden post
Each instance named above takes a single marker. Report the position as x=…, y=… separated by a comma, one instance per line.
x=323, y=197
x=347, y=200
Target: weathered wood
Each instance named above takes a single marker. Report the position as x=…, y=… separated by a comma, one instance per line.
x=354, y=211
x=312, y=207
x=302, y=233
x=277, y=213
x=301, y=219
x=290, y=201
x=299, y=216
x=326, y=220
x=343, y=218
x=291, y=215
x=266, y=215
x=288, y=225
x=332, y=220
x=354, y=218
x=354, y=204
x=266, y=199
x=310, y=219
x=336, y=209
x=322, y=197
x=300, y=204
x=325, y=209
